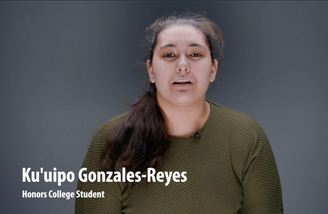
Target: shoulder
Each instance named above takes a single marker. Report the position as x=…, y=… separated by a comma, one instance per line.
x=108, y=128
x=100, y=140
x=233, y=120
x=242, y=136
x=238, y=131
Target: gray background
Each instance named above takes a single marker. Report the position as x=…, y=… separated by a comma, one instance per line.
x=67, y=67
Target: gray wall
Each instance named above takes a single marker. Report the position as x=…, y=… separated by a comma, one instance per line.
x=67, y=67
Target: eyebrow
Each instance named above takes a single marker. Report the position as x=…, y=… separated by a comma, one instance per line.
x=191, y=45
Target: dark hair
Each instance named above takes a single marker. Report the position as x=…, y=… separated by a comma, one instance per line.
x=141, y=140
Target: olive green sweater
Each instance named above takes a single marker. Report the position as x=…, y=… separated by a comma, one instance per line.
x=230, y=169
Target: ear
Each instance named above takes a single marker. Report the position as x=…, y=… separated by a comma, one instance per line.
x=150, y=72
x=214, y=70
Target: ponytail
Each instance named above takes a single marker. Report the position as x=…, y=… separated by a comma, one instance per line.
x=140, y=140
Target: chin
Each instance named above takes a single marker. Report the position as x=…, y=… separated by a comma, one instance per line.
x=185, y=101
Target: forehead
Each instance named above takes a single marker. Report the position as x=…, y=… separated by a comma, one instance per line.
x=181, y=34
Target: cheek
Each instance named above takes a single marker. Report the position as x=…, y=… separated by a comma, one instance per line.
x=161, y=77
x=161, y=73
x=207, y=66
x=204, y=72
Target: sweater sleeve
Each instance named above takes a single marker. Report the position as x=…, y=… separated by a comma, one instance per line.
x=261, y=183
x=111, y=203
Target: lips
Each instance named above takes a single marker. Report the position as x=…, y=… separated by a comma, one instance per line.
x=182, y=82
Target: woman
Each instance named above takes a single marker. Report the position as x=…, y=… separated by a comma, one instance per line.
x=221, y=159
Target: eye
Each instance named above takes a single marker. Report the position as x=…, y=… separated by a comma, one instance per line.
x=168, y=55
x=195, y=55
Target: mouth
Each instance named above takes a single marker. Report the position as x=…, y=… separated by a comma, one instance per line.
x=182, y=82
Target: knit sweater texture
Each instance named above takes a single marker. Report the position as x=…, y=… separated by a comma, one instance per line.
x=230, y=169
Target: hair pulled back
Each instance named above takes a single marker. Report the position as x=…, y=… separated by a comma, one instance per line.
x=141, y=140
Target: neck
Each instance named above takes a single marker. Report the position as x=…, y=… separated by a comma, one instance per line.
x=185, y=121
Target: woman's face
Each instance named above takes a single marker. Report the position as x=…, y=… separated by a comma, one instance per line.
x=181, y=67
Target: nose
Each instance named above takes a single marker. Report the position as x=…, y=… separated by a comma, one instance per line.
x=182, y=66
